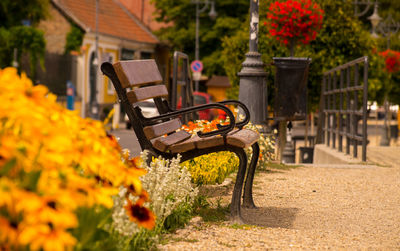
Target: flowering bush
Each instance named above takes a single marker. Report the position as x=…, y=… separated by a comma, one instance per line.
x=53, y=164
x=214, y=167
x=294, y=21
x=392, y=60
x=267, y=147
x=168, y=186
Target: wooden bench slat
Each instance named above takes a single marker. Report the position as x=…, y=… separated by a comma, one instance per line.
x=183, y=146
x=137, y=72
x=197, y=142
x=239, y=138
x=202, y=143
x=242, y=138
x=163, y=128
x=163, y=143
x=140, y=94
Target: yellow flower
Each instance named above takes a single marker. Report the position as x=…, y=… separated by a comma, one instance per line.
x=54, y=163
x=49, y=212
x=8, y=232
x=46, y=237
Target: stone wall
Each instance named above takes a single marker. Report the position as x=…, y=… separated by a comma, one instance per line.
x=56, y=28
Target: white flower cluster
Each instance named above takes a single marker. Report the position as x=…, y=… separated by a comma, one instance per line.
x=267, y=146
x=168, y=185
x=121, y=222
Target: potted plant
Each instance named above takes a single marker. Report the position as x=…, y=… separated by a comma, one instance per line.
x=392, y=65
x=292, y=22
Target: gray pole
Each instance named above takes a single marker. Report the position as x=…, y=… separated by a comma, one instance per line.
x=94, y=104
x=253, y=88
x=196, y=56
x=213, y=15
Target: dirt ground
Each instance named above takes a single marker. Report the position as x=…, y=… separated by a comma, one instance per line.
x=352, y=207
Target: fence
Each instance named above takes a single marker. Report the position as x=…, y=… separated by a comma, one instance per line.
x=340, y=113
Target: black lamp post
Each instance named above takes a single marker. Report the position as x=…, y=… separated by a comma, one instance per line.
x=363, y=3
x=253, y=88
x=375, y=19
x=387, y=28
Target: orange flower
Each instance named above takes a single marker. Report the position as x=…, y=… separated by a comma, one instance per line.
x=140, y=214
x=114, y=142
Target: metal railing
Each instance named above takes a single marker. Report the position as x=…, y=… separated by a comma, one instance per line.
x=181, y=77
x=182, y=84
x=342, y=91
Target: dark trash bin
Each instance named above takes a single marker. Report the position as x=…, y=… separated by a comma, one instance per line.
x=394, y=131
x=291, y=87
x=306, y=154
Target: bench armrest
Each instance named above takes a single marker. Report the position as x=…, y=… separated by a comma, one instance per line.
x=223, y=130
x=245, y=109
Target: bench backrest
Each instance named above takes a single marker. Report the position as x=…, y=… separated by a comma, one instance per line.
x=135, y=81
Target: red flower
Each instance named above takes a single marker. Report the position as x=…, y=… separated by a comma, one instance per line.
x=392, y=60
x=294, y=20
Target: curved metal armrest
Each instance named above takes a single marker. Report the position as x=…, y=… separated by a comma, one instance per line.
x=245, y=109
x=222, y=130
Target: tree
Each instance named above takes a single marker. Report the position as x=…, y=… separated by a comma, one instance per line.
x=341, y=39
x=380, y=83
x=25, y=38
x=12, y=12
x=181, y=35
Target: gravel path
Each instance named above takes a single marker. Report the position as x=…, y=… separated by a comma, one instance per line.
x=354, y=207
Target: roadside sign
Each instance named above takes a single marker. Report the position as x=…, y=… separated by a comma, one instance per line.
x=196, y=66
x=196, y=76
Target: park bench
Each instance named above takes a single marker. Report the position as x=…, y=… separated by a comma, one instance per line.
x=138, y=80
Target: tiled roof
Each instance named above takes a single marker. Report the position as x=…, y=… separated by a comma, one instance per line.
x=219, y=81
x=113, y=19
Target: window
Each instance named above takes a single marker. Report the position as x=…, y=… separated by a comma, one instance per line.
x=127, y=54
x=145, y=55
x=199, y=100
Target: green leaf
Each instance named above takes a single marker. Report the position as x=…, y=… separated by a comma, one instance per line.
x=30, y=180
x=7, y=167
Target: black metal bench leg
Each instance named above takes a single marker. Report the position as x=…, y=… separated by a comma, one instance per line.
x=248, y=201
x=237, y=191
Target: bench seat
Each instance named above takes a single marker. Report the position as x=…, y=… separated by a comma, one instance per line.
x=180, y=142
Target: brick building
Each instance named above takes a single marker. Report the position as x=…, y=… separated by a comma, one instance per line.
x=121, y=36
x=144, y=10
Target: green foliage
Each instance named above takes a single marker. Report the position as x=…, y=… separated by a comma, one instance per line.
x=341, y=39
x=92, y=233
x=26, y=39
x=179, y=217
x=12, y=12
x=74, y=39
x=181, y=35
